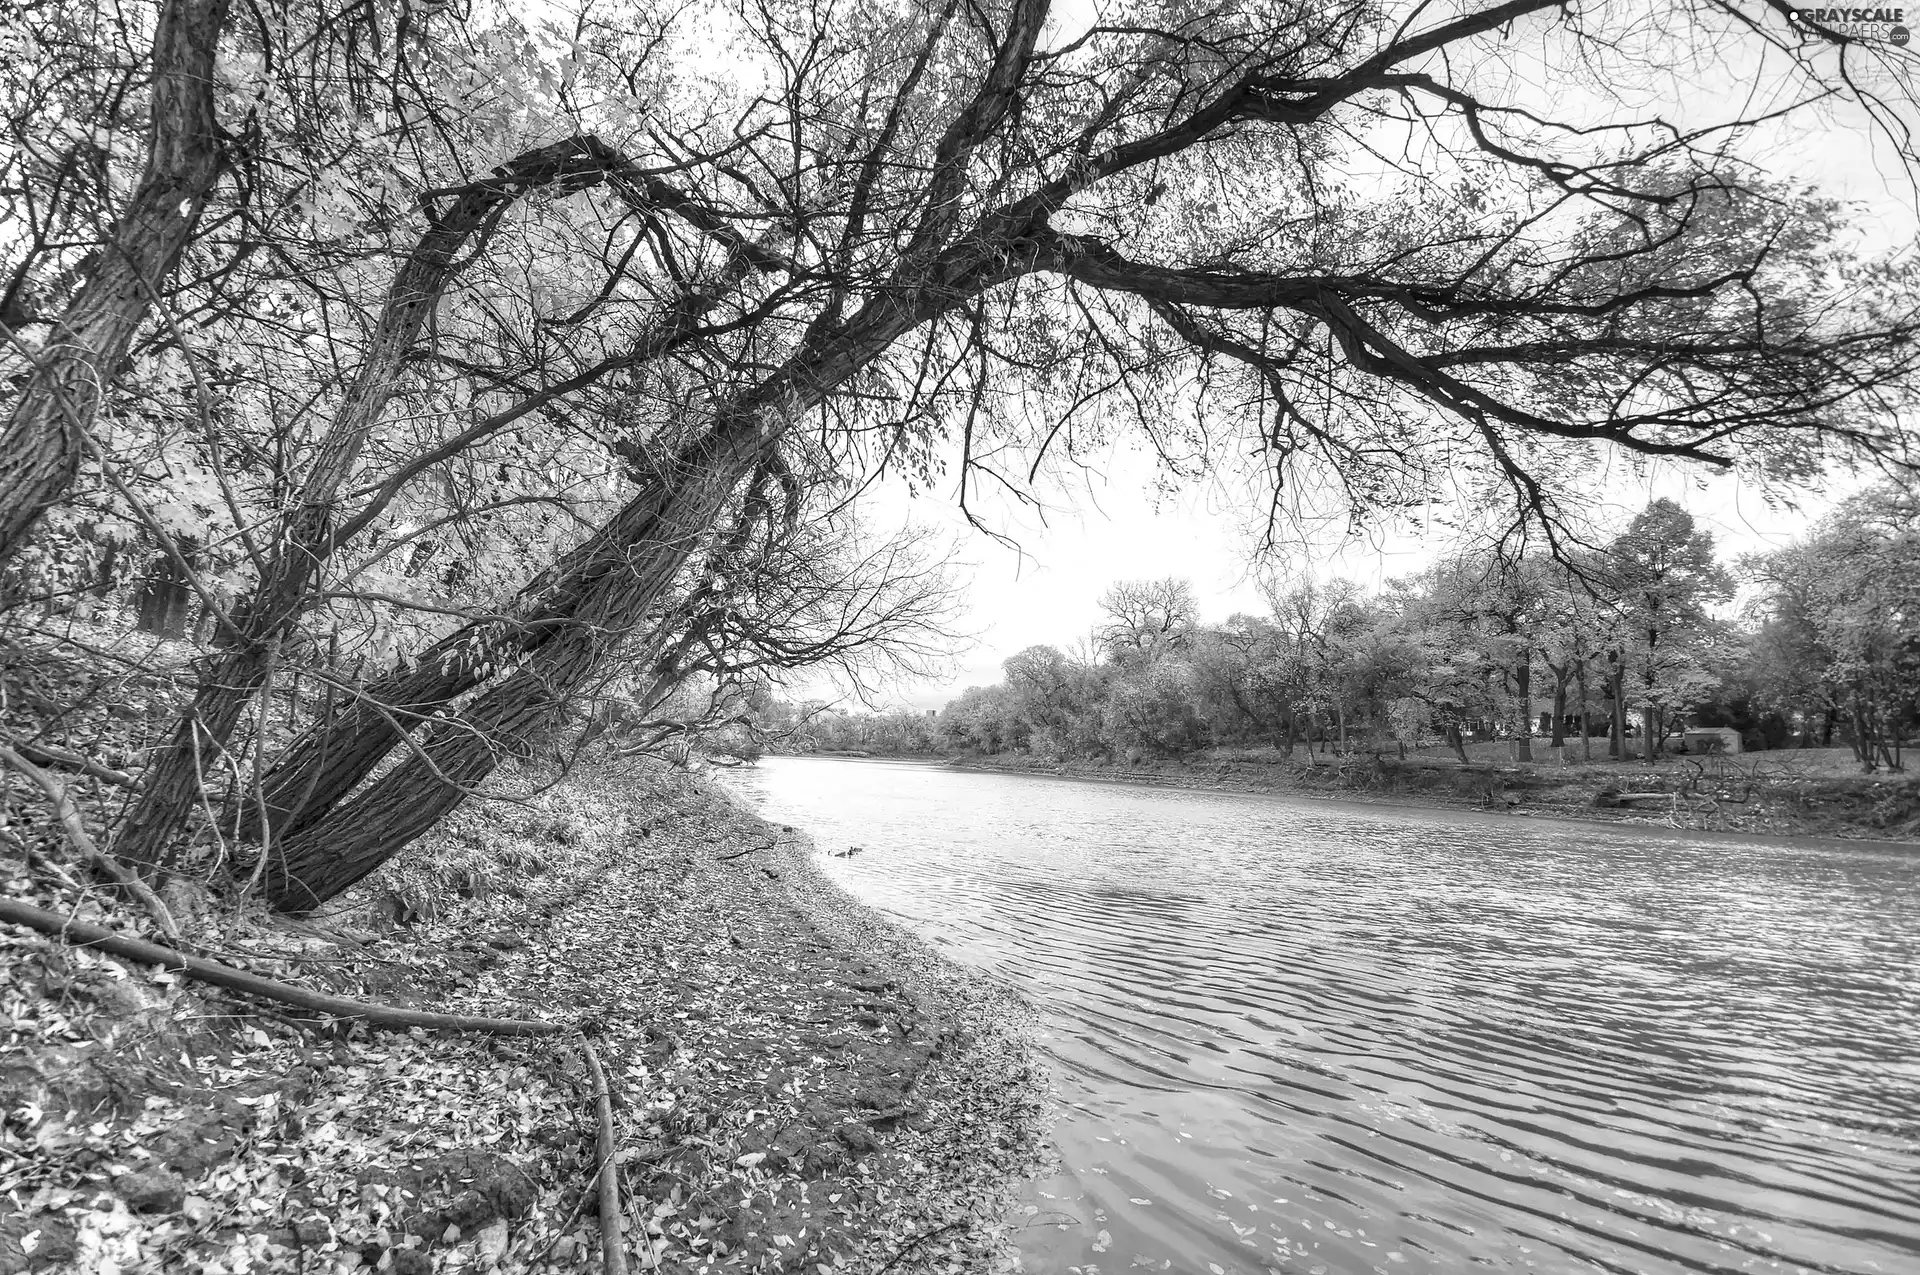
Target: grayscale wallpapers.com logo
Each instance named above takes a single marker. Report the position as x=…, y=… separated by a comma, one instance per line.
x=1880, y=25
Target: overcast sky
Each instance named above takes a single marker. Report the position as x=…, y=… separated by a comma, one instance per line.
x=1114, y=526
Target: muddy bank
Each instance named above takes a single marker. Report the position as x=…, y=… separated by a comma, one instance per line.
x=796, y=1086
x=1690, y=798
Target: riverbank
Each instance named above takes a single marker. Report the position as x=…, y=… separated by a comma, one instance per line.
x=1726, y=797
x=796, y=1085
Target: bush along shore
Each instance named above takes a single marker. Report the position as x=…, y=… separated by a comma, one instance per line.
x=723, y=1065
x=1721, y=796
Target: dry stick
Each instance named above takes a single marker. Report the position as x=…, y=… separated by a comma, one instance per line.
x=90, y=853
x=560, y=1232
x=749, y=850
x=83, y=934
x=68, y=759
x=200, y=787
x=916, y=1242
x=613, y=1253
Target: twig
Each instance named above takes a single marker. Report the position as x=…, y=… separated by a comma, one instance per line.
x=90, y=853
x=914, y=1243
x=613, y=1253
x=86, y=935
x=749, y=850
x=560, y=1233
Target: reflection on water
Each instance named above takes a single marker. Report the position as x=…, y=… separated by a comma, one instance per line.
x=1323, y=1038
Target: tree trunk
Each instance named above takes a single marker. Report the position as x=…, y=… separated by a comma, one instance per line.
x=42, y=441
x=307, y=535
x=1863, y=734
x=329, y=856
x=1617, y=709
x=1523, y=684
x=1650, y=723
x=332, y=757
x=166, y=593
x=1586, y=712
x=331, y=853
x=109, y=573
x=1454, y=741
x=599, y=593
x=1561, y=674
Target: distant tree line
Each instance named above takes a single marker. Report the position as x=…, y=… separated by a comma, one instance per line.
x=1608, y=652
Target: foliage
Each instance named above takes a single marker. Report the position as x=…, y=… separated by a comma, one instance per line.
x=1840, y=623
x=480, y=334
x=1453, y=655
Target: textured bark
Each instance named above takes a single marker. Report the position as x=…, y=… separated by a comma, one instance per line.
x=166, y=594
x=42, y=441
x=1617, y=743
x=173, y=785
x=306, y=540
x=1586, y=715
x=604, y=587
x=331, y=758
x=1561, y=673
x=1523, y=683
x=327, y=855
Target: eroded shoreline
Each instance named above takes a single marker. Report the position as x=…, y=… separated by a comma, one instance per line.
x=1846, y=813
x=798, y=1083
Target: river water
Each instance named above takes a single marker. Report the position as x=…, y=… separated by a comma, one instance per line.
x=1309, y=1036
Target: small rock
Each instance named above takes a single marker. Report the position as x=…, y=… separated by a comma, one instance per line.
x=411, y=1261
x=856, y=1138
x=493, y=1240
x=505, y=941
x=152, y=1190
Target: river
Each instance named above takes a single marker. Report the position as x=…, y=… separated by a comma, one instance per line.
x=1311, y=1036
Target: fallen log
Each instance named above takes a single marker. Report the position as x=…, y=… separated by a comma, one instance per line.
x=613, y=1251
x=85, y=934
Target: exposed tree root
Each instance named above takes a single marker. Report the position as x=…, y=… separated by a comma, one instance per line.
x=84, y=934
x=82, y=843
x=67, y=759
x=613, y=1252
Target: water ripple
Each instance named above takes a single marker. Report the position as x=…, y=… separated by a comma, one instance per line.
x=1301, y=1036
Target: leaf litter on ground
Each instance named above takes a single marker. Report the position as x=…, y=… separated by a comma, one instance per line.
x=799, y=1087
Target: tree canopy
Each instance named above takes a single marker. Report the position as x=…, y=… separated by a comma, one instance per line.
x=1484, y=647
x=322, y=304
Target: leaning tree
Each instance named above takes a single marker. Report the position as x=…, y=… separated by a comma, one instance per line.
x=1392, y=249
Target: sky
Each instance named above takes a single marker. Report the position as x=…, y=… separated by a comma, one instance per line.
x=1114, y=525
